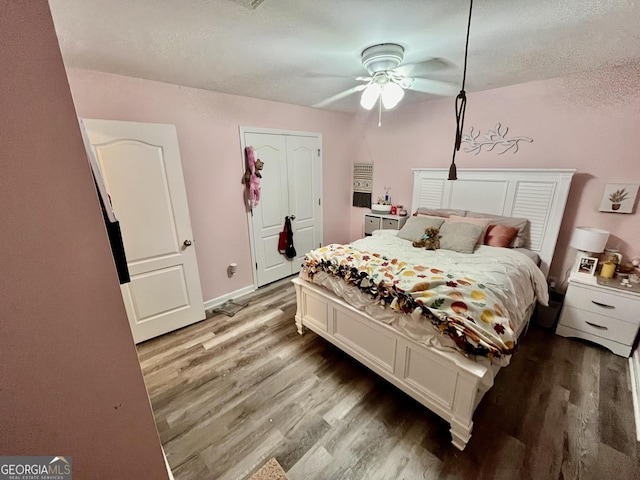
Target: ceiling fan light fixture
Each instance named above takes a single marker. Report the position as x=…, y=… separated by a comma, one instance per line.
x=392, y=93
x=370, y=96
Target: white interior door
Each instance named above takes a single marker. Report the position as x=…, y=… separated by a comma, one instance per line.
x=141, y=167
x=291, y=185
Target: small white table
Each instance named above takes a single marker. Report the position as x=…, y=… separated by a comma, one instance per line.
x=602, y=311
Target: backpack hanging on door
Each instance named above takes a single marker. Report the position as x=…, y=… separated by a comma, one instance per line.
x=285, y=241
x=284, y=234
x=290, y=252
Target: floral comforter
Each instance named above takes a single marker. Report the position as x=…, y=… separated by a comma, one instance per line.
x=451, y=295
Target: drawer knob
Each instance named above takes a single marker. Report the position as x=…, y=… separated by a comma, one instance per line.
x=603, y=305
x=600, y=327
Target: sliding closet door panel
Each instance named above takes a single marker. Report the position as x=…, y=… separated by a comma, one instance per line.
x=304, y=171
x=268, y=216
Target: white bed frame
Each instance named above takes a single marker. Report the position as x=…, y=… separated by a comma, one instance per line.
x=447, y=383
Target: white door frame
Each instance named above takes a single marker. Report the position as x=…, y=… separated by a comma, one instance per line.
x=274, y=131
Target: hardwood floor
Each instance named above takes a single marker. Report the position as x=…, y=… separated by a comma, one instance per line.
x=229, y=393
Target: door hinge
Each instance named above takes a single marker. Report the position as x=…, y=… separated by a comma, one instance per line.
x=318, y=152
x=318, y=202
x=256, y=266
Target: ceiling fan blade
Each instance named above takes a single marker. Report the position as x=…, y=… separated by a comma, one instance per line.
x=324, y=75
x=339, y=96
x=422, y=68
x=433, y=87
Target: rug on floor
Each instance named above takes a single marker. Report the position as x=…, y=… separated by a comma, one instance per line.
x=270, y=471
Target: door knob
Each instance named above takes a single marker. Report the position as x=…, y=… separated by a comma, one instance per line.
x=292, y=217
x=187, y=243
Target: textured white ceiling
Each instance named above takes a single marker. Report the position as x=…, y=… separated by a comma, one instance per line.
x=296, y=51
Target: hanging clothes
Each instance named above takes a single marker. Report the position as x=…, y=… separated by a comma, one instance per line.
x=285, y=241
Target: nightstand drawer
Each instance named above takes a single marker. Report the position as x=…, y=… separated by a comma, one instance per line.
x=370, y=224
x=390, y=224
x=599, y=325
x=602, y=302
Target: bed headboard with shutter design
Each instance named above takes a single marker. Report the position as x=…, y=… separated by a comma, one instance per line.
x=539, y=195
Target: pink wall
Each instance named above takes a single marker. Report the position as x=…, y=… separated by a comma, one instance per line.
x=71, y=382
x=208, y=132
x=586, y=122
x=589, y=123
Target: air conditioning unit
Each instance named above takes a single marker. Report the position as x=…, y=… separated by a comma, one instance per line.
x=250, y=4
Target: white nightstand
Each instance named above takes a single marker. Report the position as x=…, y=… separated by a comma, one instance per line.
x=606, y=315
x=378, y=221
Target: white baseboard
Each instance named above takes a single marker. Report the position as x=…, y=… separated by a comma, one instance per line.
x=166, y=462
x=634, y=370
x=229, y=296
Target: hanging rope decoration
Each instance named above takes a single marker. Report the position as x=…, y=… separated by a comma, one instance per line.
x=461, y=104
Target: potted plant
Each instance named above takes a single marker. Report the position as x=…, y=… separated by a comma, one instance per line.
x=617, y=197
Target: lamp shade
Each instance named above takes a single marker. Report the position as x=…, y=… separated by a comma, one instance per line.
x=589, y=239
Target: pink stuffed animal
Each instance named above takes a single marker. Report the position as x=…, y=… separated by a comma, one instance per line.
x=251, y=179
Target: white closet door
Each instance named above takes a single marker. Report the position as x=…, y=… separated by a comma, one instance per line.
x=291, y=185
x=304, y=173
x=267, y=218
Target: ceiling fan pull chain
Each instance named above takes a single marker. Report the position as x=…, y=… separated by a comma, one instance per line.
x=461, y=104
x=380, y=111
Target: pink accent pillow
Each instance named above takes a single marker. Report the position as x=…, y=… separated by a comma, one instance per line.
x=522, y=224
x=500, y=235
x=483, y=222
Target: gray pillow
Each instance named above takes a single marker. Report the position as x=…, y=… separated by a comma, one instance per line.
x=459, y=236
x=521, y=224
x=414, y=228
x=440, y=212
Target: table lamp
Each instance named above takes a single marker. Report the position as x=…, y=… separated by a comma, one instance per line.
x=588, y=241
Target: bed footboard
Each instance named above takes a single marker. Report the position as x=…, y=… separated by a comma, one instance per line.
x=447, y=383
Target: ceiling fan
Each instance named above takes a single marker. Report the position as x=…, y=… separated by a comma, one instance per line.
x=389, y=78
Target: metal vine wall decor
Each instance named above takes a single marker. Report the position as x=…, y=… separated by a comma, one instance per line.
x=493, y=139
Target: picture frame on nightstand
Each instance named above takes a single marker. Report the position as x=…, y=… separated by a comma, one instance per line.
x=587, y=265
